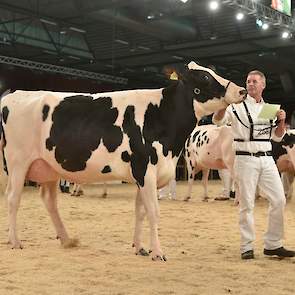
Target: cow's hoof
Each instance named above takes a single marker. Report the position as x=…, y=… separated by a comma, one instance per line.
x=186, y=199
x=159, y=258
x=16, y=245
x=71, y=243
x=142, y=252
x=206, y=199
x=104, y=195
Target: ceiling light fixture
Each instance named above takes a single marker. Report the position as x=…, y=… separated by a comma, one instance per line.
x=240, y=16
x=286, y=35
x=213, y=5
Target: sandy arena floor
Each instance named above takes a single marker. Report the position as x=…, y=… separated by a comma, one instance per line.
x=200, y=240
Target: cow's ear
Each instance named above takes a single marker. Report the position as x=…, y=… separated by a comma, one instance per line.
x=183, y=73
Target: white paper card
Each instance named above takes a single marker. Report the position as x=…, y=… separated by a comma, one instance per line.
x=269, y=111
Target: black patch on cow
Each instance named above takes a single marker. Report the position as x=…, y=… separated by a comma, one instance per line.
x=188, y=142
x=142, y=151
x=154, y=156
x=172, y=122
x=106, y=169
x=2, y=133
x=207, y=140
x=201, y=143
x=188, y=154
x=4, y=162
x=45, y=112
x=125, y=156
x=79, y=124
x=5, y=113
x=195, y=135
x=288, y=139
x=191, y=176
x=277, y=150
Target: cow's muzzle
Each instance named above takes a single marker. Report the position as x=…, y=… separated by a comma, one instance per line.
x=243, y=93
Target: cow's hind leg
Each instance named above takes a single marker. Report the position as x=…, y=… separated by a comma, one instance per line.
x=205, y=177
x=104, y=194
x=49, y=197
x=191, y=177
x=139, y=217
x=14, y=190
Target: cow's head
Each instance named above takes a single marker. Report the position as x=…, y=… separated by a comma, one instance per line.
x=210, y=91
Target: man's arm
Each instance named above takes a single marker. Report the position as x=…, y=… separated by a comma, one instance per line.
x=281, y=128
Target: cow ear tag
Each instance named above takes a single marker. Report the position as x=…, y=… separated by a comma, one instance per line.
x=174, y=76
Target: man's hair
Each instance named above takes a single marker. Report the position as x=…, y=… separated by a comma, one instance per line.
x=256, y=72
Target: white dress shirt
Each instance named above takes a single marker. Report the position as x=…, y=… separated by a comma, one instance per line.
x=243, y=133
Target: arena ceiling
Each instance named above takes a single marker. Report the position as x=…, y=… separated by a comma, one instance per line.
x=142, y=40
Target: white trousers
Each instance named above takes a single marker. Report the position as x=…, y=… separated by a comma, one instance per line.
x=262, y=171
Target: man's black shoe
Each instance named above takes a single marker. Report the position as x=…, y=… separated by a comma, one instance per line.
x=280, y=252
x=248, y=255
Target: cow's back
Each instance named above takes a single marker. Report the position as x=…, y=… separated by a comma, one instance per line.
x=80, y=136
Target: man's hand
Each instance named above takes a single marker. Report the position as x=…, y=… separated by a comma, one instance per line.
x=281, y=117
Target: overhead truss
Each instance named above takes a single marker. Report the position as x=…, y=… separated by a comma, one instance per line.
x=61, y=70
x=262, y=11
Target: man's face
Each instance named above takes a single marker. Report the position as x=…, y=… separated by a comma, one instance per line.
x=255, y=85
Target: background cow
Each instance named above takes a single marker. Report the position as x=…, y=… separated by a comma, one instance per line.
x=208, y=147
x=135, y=136
x=284, y=156
x=78, y=190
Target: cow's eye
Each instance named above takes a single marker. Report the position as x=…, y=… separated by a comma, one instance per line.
x=206, y=78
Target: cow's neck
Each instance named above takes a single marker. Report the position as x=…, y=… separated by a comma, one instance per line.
x=178, y=117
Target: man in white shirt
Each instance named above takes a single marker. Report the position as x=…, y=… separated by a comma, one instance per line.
x=254, y=166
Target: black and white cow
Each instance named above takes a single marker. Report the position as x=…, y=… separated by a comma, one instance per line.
x=135, y=136
x=284, y=156
x=208, y=147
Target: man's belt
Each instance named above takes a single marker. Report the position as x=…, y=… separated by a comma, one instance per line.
x=258, y=154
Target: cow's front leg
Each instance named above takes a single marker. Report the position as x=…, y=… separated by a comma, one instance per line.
x=139, y=217
x=149, y=197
